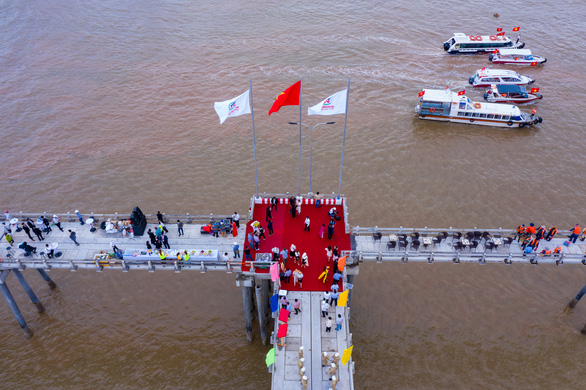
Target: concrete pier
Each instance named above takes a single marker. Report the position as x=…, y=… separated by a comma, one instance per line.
x=13, y=306
x=29, y=291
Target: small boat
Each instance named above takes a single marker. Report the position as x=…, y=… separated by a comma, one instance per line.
x=469, y=44
x=511, y=94
x=516, y=56
x=486, y=77
x=445, y=105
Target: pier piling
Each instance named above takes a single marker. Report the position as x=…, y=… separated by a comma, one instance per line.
x=248, y=307
x=29, y=291
x=13, y=306
x=49, y=281
x=577, y=298
x=261, y=309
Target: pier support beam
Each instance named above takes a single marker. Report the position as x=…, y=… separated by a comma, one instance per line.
x=29, y=291
x=575, y=300
x=248, y=307
x=13, y=306
x=49, y=281
x=350, y=279
x=262, y=289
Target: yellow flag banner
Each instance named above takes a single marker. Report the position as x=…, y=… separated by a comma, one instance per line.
x=343, y=299
x=346, y=355
x=341, y=263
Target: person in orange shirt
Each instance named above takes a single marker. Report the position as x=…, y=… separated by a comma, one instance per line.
x=520, y=232
x=575, y=233
x=531, y=229
x=583, y=235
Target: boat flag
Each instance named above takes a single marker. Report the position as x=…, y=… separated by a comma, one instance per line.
x=237, y=106
x=270, y=358
x=533, y=63
x=343, y=299
x=347, y=355
x=289, y=97
x=501, y=34
x=421, y=93
x=335, y=104
x=495, y=51
x=534, y=90
x=516, y=28
x=534, y=110
x=499, y=29
x=462, y=92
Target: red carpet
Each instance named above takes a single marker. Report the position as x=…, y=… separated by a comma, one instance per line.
x=289, y=230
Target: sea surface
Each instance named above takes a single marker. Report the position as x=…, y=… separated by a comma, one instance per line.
x=106, y=105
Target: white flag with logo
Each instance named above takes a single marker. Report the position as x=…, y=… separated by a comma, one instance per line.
x=237, y=106
x=335, y=104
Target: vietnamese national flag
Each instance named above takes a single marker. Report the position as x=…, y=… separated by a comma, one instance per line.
x=534, y=64
x=289, y=97
x=499, y=29
x=462, y=92
x=421, y=93
x=534, y=90
x=516, y=28
x=501, y=34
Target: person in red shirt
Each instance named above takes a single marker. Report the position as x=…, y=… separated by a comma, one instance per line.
x=531, y=229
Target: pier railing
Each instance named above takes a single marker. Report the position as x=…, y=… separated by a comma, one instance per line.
x=363, y=231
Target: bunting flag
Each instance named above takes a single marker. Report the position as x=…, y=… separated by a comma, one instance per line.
x=347, y=355
x=499, y=29
x=421, y=93
x=462, y=92
x=274, y=271
x=534, y=90
x=284, y=315
x=274, y=303
x=289, y=97
x=501, y=34
x=270, y=358
x=516, y=28
x=282, y=332
x=335, y=104
x=237, y=106
x=341, y=263
x=343, y=298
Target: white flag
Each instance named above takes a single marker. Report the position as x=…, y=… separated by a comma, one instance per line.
x=335, y=104
x=240, y=105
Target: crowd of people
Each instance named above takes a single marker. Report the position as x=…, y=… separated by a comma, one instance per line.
x=530, y=237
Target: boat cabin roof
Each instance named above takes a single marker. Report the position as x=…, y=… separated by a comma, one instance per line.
x=510, y=88
x=440, y=95
x=485, y=72
x=463, y=38
x=515, y=52
x=447, y=96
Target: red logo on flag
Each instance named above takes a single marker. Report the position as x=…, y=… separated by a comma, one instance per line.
x=421, y=93
x=516, y=28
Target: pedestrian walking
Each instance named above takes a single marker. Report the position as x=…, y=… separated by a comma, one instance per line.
x=30, y=223
x=46, y=224
x=304, y=260
x=261, y=232
x=73, y=237
x=324, y=308
x=306, y=224
x=270, y=227
x=236, y=219
x=324, y=274
x=318, y=200
x=274, y=202
x=284, y=302
x=339, y=322
x=284, y=255
x=158, y=245
x=335, y=287
x=180, y=228
x=160, y=217
x=292, y=250
x=297, y=306
x=57, y=221
x=152, y=236
x=38, y=233
x=7, y=229
x=329, y=253
x=256, y=239
x=166, y=241
x=329, y=323
x=331, y=229
x=27, y=230
x=298, y=206
x=327, y=296
x=234, y=230
x=80, y=217
x=322, y=230
x=288, y=275
x=236, y=250
x=247, y=253
x=337, y=276
x=335, y=296
x=575, y=233
x=148, y=246
x=269, y=216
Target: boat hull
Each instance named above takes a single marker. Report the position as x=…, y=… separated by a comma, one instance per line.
x=514, y=100
x=474, y=121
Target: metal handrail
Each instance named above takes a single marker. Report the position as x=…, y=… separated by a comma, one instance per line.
x=358, y=230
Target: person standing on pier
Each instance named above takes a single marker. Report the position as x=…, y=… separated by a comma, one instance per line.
x=50, y=252
x=27, y=230
x=322, y=230
x=331, y=229
x=152, y=236
x=329, y=323
x=339, y=322
x=575, y=233
x=247, y=253
x=38, y=233
x=166, y=242
x=236, y=249
x=520, y=232
x=288, y=276
x=57, y=221
x=234, y=230
x=7, y=229
x=261, y=233
x=7, y=215
x=47, y=224
x=236, y=219
x=256, y=239
x=270, y=227
x=9, y=239
x=324, y=308
x=180, y=228
x=531, y=229
x=335, y=296
x=30, y=223
x=274, y=202
x=551, y=233
x=297, y=306
x=324, y=274
x=268, y=213
x=318, y=200
x=80, y=217
x=73, y=237
x=307, y=221
x=148, y=246
x=160, y=217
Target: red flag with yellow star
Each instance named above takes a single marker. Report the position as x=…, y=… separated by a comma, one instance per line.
x=289, y=97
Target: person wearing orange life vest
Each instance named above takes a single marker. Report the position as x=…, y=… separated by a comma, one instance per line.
x=583, y=235
x=551, y=233
x=534, y=244
x=540, y=232
x=526, y=242
x=520, y=232
x=546, y=251
x=575, y=233
x=557, y=249
x=531, y=229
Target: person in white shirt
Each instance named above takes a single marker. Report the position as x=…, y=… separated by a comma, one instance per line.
x=306, y=224
x=57, y=221
x=236, y=218
x=324, y=308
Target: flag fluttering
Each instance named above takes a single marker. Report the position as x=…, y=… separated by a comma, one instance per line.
x=274, y=269
x=335, y=104
x=533, y=63
x=421, y=93
x=342, y=263
x=462, y=92
x=534, y=90
x=237, y=106
x=347, y=355
x=501, y=34
x=289, y=97
x=343, y=299
x=516, y=28
x=499, y=29
x=270, y=358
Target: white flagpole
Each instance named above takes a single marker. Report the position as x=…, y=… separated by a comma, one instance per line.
x=344, y=139
x=253, y=138
x=300, y=89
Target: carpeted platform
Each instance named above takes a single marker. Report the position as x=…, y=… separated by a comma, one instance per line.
x=289, y=230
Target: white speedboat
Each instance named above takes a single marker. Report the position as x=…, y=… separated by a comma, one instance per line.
x=486, y=77
x=469, y=44
x=511, y=94
x=516, y=57
x=447, y=106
